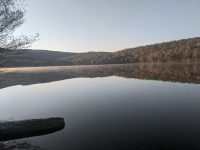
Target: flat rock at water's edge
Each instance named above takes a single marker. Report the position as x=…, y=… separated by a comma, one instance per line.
x=28, y=128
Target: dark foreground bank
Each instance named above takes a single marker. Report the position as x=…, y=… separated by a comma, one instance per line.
x=28, y=128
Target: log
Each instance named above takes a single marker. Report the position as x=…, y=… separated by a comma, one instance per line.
x=28, y=128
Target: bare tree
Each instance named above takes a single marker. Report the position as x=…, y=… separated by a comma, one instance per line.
x=11, y=17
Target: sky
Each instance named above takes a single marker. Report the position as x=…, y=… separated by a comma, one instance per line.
x=109, y=25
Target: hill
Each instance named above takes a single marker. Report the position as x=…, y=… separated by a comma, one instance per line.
x=185, y=50
x=28, y=57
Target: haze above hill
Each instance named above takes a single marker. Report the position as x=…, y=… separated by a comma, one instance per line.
x=185, y=50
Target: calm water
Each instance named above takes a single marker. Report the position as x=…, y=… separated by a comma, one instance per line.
x=108, y=107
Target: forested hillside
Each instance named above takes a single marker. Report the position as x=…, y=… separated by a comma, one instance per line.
x=186, y=50
x=181, y=51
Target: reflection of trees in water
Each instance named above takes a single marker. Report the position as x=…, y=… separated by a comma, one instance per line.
x=184, y=73
x=19, y=145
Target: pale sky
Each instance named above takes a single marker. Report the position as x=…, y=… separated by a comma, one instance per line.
x=109, y=25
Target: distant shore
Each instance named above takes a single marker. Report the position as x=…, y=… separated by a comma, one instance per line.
x=181, y=51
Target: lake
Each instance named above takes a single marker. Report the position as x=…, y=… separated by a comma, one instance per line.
x=108, y=107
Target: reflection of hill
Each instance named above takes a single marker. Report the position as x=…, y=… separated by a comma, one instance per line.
x=184, y=73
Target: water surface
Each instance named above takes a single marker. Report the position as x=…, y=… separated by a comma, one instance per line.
x=144, y=106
